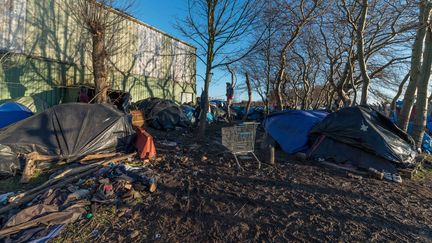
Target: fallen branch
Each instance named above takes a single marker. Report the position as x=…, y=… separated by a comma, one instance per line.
x=32, y=158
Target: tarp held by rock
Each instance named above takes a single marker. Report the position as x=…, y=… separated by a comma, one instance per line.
x=70, y=131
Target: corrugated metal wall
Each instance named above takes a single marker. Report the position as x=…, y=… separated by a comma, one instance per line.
x=53, y=56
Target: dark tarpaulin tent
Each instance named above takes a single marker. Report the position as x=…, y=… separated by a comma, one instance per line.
x=70, y=131
x=163, y=114
x=291, y=128
x=364, y=130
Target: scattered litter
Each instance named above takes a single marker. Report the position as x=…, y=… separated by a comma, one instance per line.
x=168, y=144
x=54, y=233
x=134, y=234
x=358, y=177
x=5, y=197
x=95, y=233
x=80, y=194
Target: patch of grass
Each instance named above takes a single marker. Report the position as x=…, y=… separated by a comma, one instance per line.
x=424, y=173
x=91, y=229
x=12, y=184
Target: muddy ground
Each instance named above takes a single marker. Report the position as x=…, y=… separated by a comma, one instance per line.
x=203, y=197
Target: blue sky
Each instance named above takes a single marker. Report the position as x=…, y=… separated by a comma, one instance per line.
x=162, y=14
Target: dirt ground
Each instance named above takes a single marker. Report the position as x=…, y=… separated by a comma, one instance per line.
x=203, y=197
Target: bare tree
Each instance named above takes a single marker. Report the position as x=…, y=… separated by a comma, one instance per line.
x=298, y=15
x=217, y=27
x=249, y=91
x=416, y=63
x=399, y=92
x=329, y=57
x=419, y=123
x=360, y=51
x=102, y=21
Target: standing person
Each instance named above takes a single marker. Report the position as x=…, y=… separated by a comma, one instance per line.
x=83, y=96
x=229, y=95
x=200, y=107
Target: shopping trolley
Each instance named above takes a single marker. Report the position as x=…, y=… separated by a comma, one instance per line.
x=240, y=140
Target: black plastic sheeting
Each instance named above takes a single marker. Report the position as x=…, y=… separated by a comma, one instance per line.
x=163, y=114
x=340, y=153
x=367, y=129
x=71, y=131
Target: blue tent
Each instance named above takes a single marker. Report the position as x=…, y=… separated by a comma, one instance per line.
x=291, y=128
x=11, y=112
x=427, y=140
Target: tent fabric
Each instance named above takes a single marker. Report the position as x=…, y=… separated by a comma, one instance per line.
x=348, y=155
x=291, y=128
x=70, y=131
x=34, y=104
x=365, y=128
x=11, y=112
x=426, y=143
x=163, y=114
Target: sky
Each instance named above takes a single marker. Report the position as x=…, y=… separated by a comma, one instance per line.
x=162, y=14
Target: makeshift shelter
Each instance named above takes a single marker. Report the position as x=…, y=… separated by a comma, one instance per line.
x=11, y=112
x=291, y=128
x=363, y=137
x=34, y=104
x=163, y=114
x=70, y=131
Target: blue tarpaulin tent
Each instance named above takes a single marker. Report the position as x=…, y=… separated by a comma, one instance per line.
x=11, y=112
x=291, y=128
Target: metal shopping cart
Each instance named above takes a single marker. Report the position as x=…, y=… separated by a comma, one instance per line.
x=240, y=140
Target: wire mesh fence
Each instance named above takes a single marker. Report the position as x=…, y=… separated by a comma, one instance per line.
x=240, y=139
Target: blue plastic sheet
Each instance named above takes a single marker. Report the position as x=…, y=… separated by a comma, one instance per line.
x=291, y=128
x=12, y=112
x=427, y=140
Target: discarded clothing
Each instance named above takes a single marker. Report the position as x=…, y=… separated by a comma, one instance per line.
x=30, y=213
x=70, y=131
x=54, y=233
x=291, y=128
x=44, y=215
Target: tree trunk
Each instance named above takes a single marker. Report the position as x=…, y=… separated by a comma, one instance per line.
x=249, y=88
x=278, y=91
x=411, y=90
x=208, y=74
x=360, y=50
x=399, y=92
x=99, y=67
x=419, y=123
x=205, y=109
